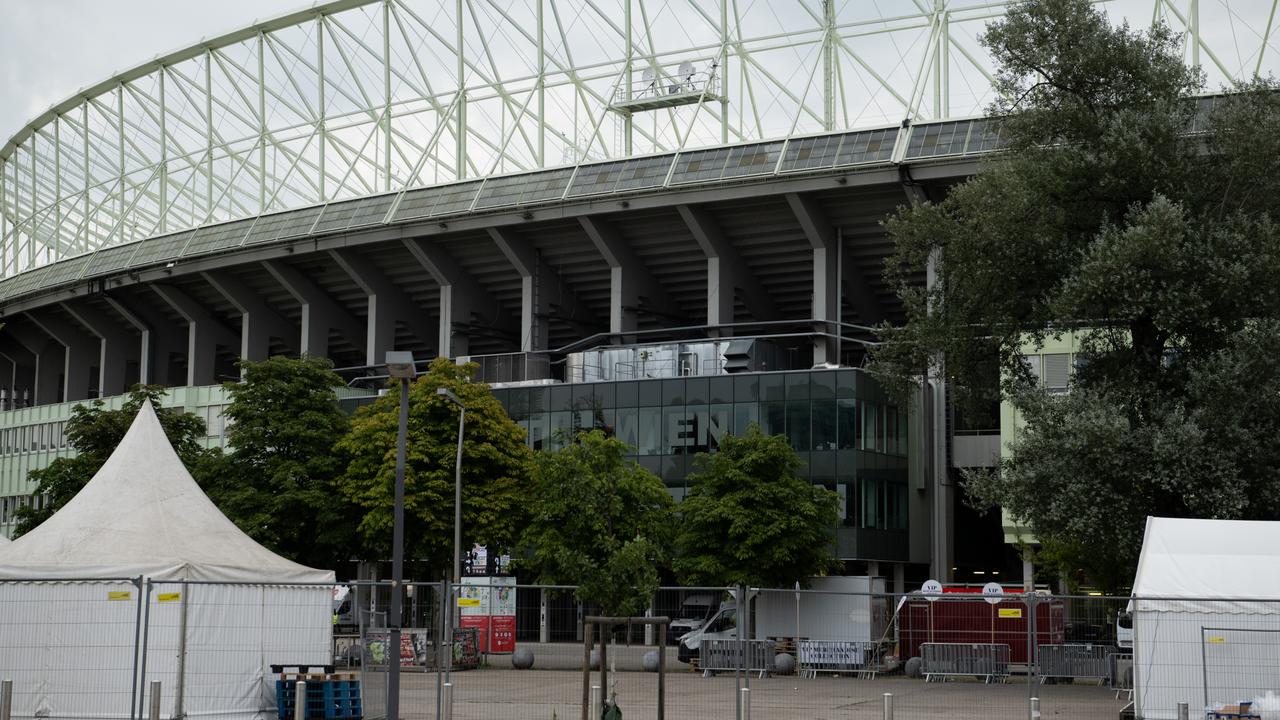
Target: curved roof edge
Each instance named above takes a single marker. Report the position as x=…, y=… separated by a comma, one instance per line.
x=320, y=7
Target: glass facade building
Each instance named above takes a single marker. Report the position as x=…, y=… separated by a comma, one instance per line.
x=850, y=438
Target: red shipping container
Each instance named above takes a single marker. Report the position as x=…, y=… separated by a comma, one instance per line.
x=954, y=618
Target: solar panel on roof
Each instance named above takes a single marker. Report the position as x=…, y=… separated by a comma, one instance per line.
x=501, y=191
x=372, y=211
x=456, y=198
x=866, y=146
x=549, y=185
x=700, y=165
x=811, y=153
x=337, y=216
x=218, y=237
x=65, y=271
x=645, y=172
x=107, y=260
x=596, y=179
x=752, y=159
x=165, y=247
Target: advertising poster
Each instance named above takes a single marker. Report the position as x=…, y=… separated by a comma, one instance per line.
x=502, y=618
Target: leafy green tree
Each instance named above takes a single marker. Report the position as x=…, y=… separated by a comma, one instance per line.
x=1157, y=245
x=599, y=521
x=749, y=518
x=496, y=466
x=277, y=484
x=94, y=432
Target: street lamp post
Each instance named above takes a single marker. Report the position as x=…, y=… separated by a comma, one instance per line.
x=399, y=367
x=457, y=484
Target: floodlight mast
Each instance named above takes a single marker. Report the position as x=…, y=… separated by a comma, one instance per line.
x=400, y=367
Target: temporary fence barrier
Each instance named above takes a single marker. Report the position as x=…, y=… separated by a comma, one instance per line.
x=821, y=656
x=121, y=635
x=1075, y=662
x=985, y=661
x=727, y=655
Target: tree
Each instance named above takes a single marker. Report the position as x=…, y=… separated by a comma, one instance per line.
x=278, y=483
x=94, y=432
x=599, y=521
x=1157, y=245
x=750, y=519
x=496, y=466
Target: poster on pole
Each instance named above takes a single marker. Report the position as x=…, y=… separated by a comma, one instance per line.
x=502, y=615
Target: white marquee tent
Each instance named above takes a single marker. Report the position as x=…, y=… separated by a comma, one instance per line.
x=1206, y=614
x=141, y=578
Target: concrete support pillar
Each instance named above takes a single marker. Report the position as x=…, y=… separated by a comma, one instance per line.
x=49, y=362
x=157, y=339
x=205, y=334
x=319, y=312
x=464, y=303
x=631, y=285
x=80, y=379
x=1028, y=571
x=258, y=323
x=834, y=272
x=727, y=274
x=543, y=294
x=873, y=568
x=387, y=305
x=19, y=382
x=121, y=348
x=899, y=578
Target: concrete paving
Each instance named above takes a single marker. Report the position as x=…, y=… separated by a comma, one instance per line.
x=501, y=692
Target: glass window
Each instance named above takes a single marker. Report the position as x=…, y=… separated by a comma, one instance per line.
x=773, y=418
x=870, y=503
x=797, y=386
x=537, y=400
x=561, y=429
x=869, y=423
x=561, y=398
x=626, y=394
x=798, y=425
x=719, y=423
x=824, y=424
x=746, y=388
x=744, y=415
x=772, y=388
x=538, y=427
x=721, y=390
x=651, y=435
x=673, y=392
x=847, y=424
x=605, y=395
x=822, y=385
x=678, y=430
x=628, y=428
x=697, y=391
x=650, y=392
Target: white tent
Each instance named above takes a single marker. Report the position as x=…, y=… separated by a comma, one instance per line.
x=1206, y=614
x=141, y=571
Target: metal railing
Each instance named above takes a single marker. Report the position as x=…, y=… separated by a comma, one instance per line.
x=984, y=661
x=1075, y=662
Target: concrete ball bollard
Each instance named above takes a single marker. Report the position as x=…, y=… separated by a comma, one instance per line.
x=913, y=667
x=522, y=659
x=650, y=661
x=784, y=663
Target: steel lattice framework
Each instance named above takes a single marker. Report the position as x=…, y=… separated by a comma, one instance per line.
x=357, y=97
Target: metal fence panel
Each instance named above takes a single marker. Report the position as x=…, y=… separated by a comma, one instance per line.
x=986, y=661
x=1077, y=662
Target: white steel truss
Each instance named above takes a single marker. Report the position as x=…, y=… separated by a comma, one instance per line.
x=357, y=97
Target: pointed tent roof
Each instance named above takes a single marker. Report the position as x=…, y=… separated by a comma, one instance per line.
x=1187, y=563
x=143, y=514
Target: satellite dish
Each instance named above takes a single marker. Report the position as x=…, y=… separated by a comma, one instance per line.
x=649, y=75
x=686, y=70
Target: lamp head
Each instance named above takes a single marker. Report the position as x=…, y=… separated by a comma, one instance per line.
x=400, y=365
x=446, y=392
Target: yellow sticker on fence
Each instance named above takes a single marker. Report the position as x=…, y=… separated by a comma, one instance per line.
x=119, y=595
x=1010, y=612
x=468, y=602
x=168, y=597
x=1217, y=639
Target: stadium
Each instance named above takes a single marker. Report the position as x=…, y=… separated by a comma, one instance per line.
x=661, y=217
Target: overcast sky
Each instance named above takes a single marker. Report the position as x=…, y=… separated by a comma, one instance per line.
x=49, y=49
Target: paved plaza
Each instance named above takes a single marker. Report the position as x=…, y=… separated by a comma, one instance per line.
x=501, y=692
